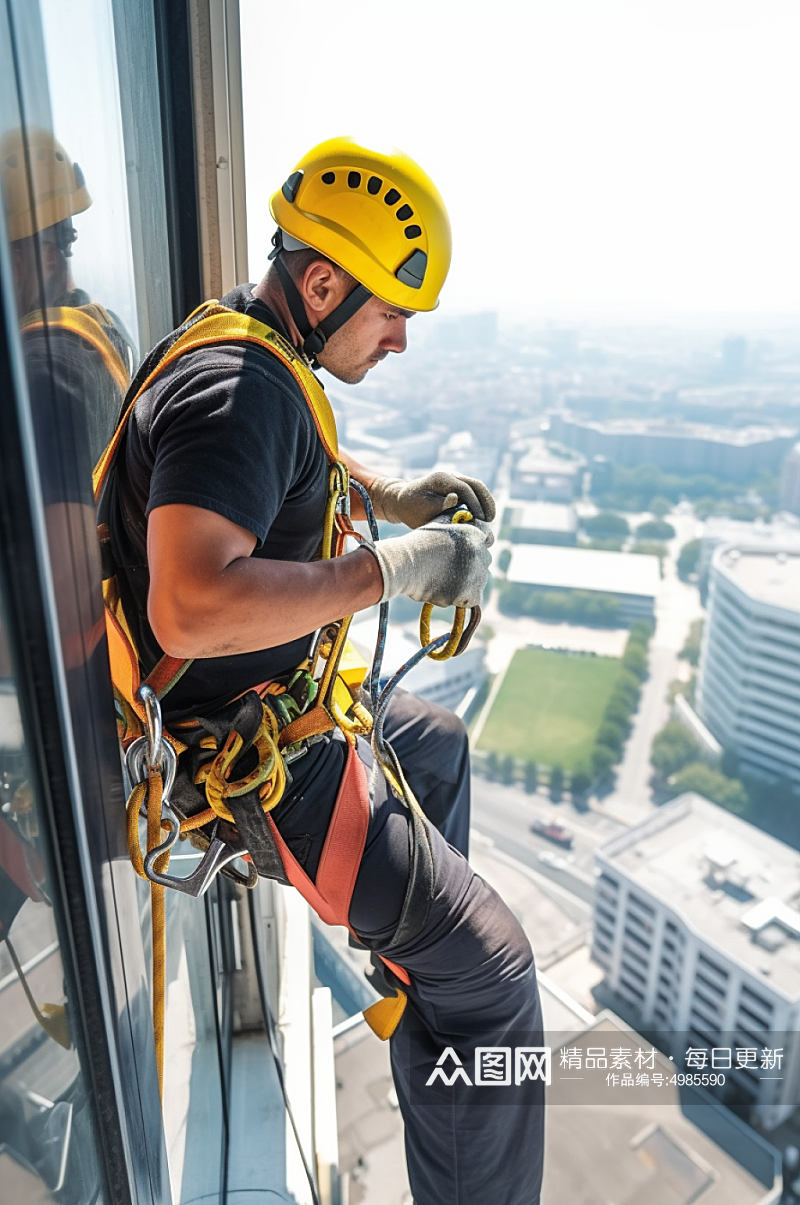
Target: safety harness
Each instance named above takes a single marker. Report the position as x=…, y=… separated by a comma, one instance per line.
x=215, y=779
x=93, y=323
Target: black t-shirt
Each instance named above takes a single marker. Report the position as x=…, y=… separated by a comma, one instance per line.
x=225, y=428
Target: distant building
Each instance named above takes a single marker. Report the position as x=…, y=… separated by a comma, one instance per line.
x=602, y=471
x=444, y=682
x=734, y=454
x=790, y=481
x=631, y=579
x=463, y=453
x=539, y=474
x=543, y=523
x=697, y=927
x=748, y=691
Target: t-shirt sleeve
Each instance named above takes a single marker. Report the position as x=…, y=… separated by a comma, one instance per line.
x=233, y=438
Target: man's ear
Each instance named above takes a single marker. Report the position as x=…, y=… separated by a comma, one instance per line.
x=322, y=288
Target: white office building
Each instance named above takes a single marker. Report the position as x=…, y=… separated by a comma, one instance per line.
x=634, y=581
x=697, y=927
x=748, y=692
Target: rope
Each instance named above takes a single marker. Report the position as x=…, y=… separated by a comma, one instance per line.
x=52, y=1017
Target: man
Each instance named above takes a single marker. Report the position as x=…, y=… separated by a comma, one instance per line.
x=221, y=485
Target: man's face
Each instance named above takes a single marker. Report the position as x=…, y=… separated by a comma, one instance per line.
x=369, y=336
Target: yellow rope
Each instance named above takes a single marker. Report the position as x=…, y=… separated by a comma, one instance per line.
x=52, y=1017
x=449, y=650
x=442, y=654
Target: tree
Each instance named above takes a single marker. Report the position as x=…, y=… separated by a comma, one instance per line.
x=640, y=632
x=606, y=523
x=659, y=506
x=634, y=659
x=580, y=782
x=492, y=765
x=603, y=760
x=655, y=529
x=691, y=648
x=627, y=687
x=531, y=777
x=556, y=783
x=729, y=793
x=618, y=712
x=689, y=558
x=611, y=734
x=507, y=768
x=672, y=749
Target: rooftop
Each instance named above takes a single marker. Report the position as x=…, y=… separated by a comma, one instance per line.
x=545, y=516
x=656, y=1153
x=539, y=458
x=740, y=437
x=767, y=576
x=732, y=884
x=585, y=569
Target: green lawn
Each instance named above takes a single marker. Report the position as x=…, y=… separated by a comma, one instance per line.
x=550, y=707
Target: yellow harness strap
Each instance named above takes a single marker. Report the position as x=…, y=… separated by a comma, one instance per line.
x=210, y=323
x=86, y=321
x=215, y=323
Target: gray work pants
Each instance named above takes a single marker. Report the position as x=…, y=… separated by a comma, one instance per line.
x=473, y=978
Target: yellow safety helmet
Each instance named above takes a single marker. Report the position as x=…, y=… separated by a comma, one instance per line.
x=54, y=191
x=376, y=214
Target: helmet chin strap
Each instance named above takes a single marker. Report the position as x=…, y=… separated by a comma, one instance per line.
x=314, y=338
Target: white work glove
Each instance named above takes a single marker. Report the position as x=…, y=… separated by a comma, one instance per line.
x=441, y=563
x=419, y=501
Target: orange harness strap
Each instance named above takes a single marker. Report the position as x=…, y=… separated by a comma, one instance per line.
x=341, y=856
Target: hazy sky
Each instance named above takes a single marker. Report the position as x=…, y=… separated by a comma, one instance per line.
x=597, y=159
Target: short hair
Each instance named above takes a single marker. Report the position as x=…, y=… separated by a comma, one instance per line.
x=298, y=261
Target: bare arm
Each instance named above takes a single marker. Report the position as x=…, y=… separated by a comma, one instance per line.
x=361, y=473
x=209, y=598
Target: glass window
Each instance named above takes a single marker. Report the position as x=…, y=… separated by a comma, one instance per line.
x=85, y=221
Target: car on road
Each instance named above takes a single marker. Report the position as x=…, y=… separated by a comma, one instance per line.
x=553, y=860
x=553, y=832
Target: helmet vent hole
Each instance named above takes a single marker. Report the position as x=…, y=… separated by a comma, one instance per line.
x=374, y=185
x=413, y=231
x=353, y=179
x=392, y=197
x=329, y=178
x=404, y=213
x=59, y=157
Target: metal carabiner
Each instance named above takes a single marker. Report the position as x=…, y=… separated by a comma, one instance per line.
x=218, y=854
x=137, y=763
x=155, y=725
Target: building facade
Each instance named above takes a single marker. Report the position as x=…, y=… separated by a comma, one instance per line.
x=632, y=580
x=748, y=691
x=697, y=928
x=734, y=454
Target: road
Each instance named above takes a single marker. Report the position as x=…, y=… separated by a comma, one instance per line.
x=504, y=814
x=677, y=605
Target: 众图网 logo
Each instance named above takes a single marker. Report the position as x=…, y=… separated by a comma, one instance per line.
x=497, y=1066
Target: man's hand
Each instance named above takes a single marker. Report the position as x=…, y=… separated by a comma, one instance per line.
x=417, y=502
x=442, y=563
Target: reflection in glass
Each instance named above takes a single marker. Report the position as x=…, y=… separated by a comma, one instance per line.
x=46, y=1142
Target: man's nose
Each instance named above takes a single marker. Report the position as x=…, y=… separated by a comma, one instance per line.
x=396, y=340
